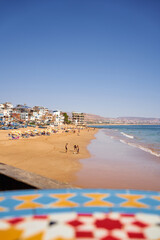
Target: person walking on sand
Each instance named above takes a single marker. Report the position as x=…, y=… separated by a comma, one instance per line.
x=77, y=149
x=66, y=147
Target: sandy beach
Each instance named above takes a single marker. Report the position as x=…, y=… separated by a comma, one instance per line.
x=45, y=155
x=102, y=162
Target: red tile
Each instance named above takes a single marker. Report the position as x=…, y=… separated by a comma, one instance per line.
x=75, y=223
x=109, y=224
x=133, y=235
x=84, y=234
x=15, y=220
x=140, y=224
x=110, y=238
x=40, y=216
x=85, y=215
x=127, y=215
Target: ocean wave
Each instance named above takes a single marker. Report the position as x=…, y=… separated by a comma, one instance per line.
x=141, y=147
x=128, y=143
x=126, y=135
x=122, y=141
x=149, y=150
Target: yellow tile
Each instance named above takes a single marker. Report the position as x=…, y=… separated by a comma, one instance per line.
x=10, y=234
x=63, y=200
x=97, y=200
x=38, y=236
x=131, y=201
x=28, y=202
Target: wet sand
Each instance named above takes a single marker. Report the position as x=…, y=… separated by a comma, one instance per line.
x=119, y=166
x=45, y=155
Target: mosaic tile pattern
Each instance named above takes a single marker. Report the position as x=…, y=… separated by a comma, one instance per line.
x=110, y=226
x=79, y=214
x=16, y=203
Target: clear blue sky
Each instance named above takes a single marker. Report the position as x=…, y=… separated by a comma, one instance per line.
x=94, y=56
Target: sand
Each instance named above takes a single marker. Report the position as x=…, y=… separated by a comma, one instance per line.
x=45, y=155
x=103, y=162
x=116, y=165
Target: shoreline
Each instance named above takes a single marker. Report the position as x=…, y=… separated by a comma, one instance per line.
x=115, y=165
x=45, y=155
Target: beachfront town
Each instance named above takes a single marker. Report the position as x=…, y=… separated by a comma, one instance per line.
x=14, y=116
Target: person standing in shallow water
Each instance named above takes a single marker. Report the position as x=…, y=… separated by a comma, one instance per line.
x=66, y=147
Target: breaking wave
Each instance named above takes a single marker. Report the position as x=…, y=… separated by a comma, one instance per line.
x=141, y=147
x=126, y=135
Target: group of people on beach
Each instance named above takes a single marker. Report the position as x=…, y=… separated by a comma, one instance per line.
x=17, y=134
x=75, y=147
x=30, y=133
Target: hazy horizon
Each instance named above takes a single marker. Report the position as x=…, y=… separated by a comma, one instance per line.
x=98, y=57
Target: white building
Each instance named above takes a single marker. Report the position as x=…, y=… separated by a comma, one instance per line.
x=24, y=116
x=39, y=112
x=2, y=109
x=6, y=110
x=59, y=118
x=1, y=106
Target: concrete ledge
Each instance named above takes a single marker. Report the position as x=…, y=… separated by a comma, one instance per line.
x=21, y=179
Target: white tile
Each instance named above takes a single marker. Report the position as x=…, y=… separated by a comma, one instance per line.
x=148, y=218
x=153, y=232
x=59, y=231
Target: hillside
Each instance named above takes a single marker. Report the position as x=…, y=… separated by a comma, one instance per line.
x=93, y=118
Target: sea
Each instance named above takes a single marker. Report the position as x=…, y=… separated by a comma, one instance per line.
x=144, y=137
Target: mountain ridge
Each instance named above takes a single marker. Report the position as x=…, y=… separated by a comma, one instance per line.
x=92, y=118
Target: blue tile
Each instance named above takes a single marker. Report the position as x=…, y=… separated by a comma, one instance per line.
x=43, y=211
x=4, y=212
x=150, y=202
x=19, y=213
x=93, y=209
x=77, y=191
x=45, y=199
x=114, y=199
x=136, y=210
x=10, y=203
x=142, y=192
x=10, y=194
x=80, y=199
x=114, y=191
x=76, y=209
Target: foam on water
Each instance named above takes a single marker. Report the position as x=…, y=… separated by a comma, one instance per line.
x=126, y=135
x=141, y=147
x=146, y=138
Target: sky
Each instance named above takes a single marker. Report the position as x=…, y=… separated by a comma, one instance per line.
x=92, y=56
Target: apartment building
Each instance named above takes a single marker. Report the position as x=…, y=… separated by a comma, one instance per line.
x=58, y=117
x=78, y=118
